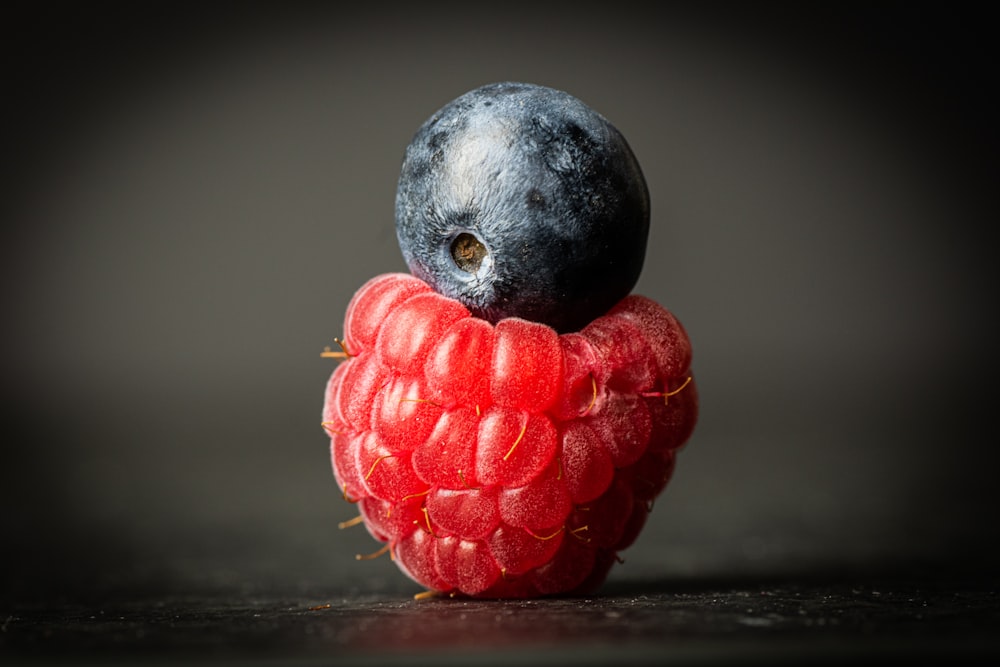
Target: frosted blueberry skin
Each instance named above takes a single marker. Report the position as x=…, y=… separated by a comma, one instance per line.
x=519, y=200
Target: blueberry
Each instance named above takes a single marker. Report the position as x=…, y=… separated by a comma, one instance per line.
x=520, y=200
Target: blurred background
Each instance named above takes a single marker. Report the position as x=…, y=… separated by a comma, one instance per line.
x=193, y=192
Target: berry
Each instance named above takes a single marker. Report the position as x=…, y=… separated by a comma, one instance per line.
x=520, y=201
x=504, y=417
x=504, y=460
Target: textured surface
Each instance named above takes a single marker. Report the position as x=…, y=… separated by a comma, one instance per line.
x=506, y=461
x=889, y=619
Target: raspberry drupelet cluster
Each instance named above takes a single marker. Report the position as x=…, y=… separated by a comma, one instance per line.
x=504, y=460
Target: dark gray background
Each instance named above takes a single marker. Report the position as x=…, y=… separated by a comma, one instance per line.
x=192, y=195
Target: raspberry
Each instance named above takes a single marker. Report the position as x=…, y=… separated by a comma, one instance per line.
x=504, y=460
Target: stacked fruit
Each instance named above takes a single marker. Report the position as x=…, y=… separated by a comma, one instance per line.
x=505, y=416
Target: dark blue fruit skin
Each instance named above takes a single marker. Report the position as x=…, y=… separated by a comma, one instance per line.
x=546, y=184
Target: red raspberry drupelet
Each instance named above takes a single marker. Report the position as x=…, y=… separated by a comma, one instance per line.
x=504, y=460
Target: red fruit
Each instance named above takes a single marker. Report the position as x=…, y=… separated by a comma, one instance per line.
x=539, y=504
x=588, y=469
x=506, y=460
x=513, y=447
x=527, y=365
x=518, y=551
x=458, y=368
x=413, y=328
x=472, y=513
x=467, y=565
x=448, y=458
x=373, y=302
